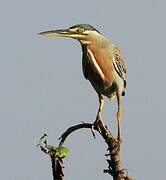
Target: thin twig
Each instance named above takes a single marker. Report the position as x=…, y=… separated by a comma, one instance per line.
x=71, y=130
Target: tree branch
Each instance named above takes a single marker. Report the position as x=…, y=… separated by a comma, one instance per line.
x=55, y=156
x=114, y=163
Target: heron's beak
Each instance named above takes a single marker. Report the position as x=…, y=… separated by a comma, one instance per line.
x=62, y=33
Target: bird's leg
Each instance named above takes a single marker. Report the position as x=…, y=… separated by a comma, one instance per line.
x=119, y=116
x=101, y=104
x=98, y=117
x=116, y=148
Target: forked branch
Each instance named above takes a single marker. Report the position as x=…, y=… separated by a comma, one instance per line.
x=114, y=163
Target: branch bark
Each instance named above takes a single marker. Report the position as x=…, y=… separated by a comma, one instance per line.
x=57, y=167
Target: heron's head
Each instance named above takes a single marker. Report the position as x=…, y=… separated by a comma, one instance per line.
x=84, y=33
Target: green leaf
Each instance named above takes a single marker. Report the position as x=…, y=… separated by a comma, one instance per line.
x=62, y=152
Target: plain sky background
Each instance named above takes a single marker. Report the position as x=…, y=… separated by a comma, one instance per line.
x=42, y=88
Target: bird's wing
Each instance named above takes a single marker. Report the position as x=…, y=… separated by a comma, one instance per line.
x=84, y=56
x=119, y=63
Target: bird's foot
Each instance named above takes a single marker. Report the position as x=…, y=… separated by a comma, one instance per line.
x=93, y=130
x=96, y=125
x=116, y=145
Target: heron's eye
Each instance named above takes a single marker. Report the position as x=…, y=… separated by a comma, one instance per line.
x=80, y=30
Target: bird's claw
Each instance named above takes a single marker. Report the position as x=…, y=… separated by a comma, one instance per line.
x=96, y=126
x=93, y=130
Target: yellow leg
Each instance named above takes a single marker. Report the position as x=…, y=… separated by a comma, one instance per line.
x=101, y=104
x=119, y=115
x=98, y=117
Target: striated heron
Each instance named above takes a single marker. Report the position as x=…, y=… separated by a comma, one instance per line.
x=102, y=64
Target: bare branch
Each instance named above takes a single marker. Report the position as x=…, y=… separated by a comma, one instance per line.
x=114, y=163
